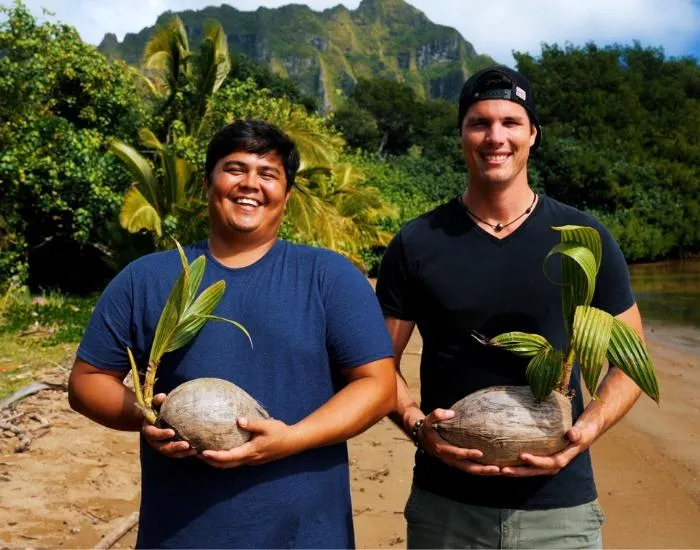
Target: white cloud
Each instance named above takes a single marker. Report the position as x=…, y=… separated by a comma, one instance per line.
x=495, y=28
x=498, y=28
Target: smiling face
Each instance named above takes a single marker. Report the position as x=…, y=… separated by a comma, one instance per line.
x=496, y=140
x=247, y=195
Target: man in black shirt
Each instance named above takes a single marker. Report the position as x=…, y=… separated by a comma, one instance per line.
x=475, y=263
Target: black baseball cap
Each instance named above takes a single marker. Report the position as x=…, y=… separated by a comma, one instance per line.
x=499, y=82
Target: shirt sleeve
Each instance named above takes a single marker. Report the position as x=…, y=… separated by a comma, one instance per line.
x=394, y=282
x=613, y=288
x=355, y=330
x=108, y=332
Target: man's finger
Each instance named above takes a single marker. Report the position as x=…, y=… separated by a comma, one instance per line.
x=238, y=453
x=158, y=399
x=158, y=433
x=440, y=414
x=253, y=425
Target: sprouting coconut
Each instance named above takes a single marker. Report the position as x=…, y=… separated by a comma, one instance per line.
x=505, y=421
x=204, y=411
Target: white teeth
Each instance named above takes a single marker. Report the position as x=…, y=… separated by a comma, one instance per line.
x=249, y=202
x=495, y=157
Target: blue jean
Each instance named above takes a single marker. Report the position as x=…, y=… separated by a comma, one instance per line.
x=437, y=522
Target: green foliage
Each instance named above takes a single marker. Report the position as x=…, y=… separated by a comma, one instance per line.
x=388, y=118
x=243, y=68
x=62, y=102
x=620, y=139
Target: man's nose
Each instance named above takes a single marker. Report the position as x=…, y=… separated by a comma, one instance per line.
x=250, y=180
x=496, y=133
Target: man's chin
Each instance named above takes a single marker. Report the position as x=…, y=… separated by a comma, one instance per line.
x=238, y=228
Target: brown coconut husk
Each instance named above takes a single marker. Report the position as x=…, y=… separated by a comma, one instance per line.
x=204, y=413
x=505, y=421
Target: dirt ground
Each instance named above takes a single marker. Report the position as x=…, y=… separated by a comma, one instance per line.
x=78, y=481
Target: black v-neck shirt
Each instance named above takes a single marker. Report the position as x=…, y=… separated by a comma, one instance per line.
x=451, y=277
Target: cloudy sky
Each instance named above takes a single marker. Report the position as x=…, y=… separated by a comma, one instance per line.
x=495, y=28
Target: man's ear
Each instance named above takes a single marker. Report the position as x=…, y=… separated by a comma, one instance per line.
x=533, y=134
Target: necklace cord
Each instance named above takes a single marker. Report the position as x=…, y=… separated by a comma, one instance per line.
x=499, y=226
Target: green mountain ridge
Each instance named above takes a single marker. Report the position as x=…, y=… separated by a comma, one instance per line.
x=325, y=53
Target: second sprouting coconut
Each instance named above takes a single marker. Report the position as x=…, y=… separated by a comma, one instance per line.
x=504, y=422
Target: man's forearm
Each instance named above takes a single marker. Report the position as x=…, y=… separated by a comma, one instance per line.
x=616, y=396
x=106, y=400
x=407, y=410
x=360, y=404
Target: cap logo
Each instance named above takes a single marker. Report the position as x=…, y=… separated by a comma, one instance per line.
x=520, y=93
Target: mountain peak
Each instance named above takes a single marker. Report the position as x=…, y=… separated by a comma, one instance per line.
x=388, y=11
x=324, y=53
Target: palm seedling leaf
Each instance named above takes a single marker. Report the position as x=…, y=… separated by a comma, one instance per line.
x=195, y=316
x=196, y=276
x=169, y=319
x=135, y=378
x=591, y=337
x=628, y=353
x=578, y=274
x=138, y=214
x=582, y=284
x=543, y=372
x=234, y=323
x=521, y=343
x=186, y=297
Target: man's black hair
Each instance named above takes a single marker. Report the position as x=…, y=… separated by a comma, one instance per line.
x=253, y=136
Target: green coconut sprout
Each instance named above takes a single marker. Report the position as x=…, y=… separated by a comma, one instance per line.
x=593, y=335
x=181, y=319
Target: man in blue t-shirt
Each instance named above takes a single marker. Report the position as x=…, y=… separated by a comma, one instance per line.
x=475, y=264
x=321, y=366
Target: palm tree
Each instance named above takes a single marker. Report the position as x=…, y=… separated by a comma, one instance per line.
x=330, y=206
x=186, y=79
x=170, y=196
x=335, y=209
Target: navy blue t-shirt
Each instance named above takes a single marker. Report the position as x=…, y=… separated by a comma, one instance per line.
x=310, y=313
x=451, y=277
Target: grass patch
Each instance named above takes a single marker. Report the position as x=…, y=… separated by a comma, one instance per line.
x=38, y=333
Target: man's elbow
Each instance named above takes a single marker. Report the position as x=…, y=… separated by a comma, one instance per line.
x=73, y=396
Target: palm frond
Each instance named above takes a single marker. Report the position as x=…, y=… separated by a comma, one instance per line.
x=591, y=337
x=628, y=353
x=137, y=214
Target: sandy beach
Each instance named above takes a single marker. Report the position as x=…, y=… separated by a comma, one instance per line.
x=79, y=481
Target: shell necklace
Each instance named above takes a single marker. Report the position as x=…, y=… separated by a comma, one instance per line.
x=498, y=227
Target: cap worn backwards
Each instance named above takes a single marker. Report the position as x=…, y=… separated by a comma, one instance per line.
x=480, y=86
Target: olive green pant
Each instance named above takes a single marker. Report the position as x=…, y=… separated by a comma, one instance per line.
x=438, y=522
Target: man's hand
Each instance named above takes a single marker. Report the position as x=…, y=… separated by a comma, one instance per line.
x=272, y=440
x=459, y=458
x=162, y=439
x=581, y=436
